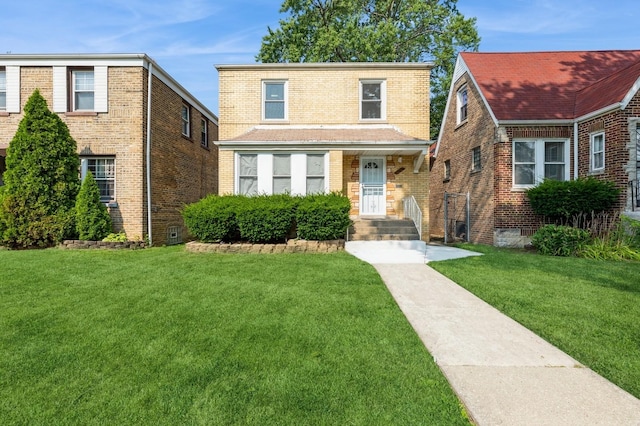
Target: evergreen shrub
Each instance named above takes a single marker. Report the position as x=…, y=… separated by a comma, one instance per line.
x=565, y=199
x=41, y=180
x=213, y=218
x=323, y=216
x=266, y=218
x=93, y=222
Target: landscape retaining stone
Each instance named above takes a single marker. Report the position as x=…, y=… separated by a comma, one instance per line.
x=291, y=246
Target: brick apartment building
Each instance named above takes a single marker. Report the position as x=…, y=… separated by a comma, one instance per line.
x=119, y=119
x=514, y=119
x=360, y=128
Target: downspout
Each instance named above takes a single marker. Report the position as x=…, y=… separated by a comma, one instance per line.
x=148, y=154
x=575, y=150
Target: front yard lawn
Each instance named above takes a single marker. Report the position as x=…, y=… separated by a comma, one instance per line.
x=589, y=309
x=162, y=336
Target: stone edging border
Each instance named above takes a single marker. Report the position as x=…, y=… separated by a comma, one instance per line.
x=292, y=246
x=104, y=245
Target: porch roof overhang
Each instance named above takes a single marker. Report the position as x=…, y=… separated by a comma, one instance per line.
x=365, y=140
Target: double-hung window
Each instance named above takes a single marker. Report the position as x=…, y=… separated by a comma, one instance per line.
x=3, y=89
x=103, y=170
x=82, y=84
x=462, y=100
x=204, y=133
x=274, y=98
x=596, y=152
x=372, y=99
x=281, y=173
x=476, y=162
x=315, y=173
x=248, y=174
x=536, y=160
x=186, y=120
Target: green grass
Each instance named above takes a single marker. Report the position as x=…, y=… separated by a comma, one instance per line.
x=589, y=309
x=162, y=336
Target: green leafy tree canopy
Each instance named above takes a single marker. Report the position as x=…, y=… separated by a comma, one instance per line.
x=41, y=179
x=375, y=31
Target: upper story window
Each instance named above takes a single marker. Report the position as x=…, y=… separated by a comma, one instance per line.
x=3, y=89
x=462, y=100
x=83, y=90
x=447, y=170
x=103, y=170
x=596, y=152
x=372, y=100
x=204, y=133
x=536, y=160
x=186, y=120
x=476, y=162
x=274, y=98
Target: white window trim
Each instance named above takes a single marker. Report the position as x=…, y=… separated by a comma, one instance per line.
x=265, y=171
x=187, y=121
x=383, y=99
x=84, y=168
x=539, y=161
x=459, y=119
x=72, y=83
x=285, y=88
x=592, y=152
x=204, y=131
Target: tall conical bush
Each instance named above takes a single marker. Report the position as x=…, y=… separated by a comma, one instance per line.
x=92, y=217
x=41, y=180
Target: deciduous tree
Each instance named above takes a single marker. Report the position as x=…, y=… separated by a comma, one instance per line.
x=375, y=30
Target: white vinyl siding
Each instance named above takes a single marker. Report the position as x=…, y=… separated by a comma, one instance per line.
x=3, y=89
x=13, y=88
x=60, y=89
x=267, y=173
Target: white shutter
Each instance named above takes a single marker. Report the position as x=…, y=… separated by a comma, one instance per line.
x=59, y=89
x=13, y=88
x=100, y=89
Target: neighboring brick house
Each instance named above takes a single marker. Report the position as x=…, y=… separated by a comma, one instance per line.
x=514, y=119
x=104, y=100
x=359, y=128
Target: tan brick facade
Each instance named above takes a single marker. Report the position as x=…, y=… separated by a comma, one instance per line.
x=328, y=95
x=182, y=170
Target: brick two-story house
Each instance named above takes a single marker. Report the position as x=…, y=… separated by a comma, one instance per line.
x=148, y=142
x=359, y=128
x=514, y=119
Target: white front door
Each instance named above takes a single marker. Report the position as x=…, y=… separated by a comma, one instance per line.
x=373, y=180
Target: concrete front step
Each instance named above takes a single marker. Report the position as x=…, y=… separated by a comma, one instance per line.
x=383, y=229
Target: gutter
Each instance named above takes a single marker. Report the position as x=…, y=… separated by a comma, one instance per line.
x=148, y=154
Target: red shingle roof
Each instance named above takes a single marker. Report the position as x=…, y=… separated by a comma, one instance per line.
x=553, y=85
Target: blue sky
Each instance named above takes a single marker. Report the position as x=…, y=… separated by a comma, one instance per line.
x=188, y=37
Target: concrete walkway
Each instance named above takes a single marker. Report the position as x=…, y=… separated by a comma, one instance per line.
x=503, y=373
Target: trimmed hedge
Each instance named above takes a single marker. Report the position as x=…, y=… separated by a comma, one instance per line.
x=565, y=199
x=213, y=218
x=267, y=218
x=323, y=217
